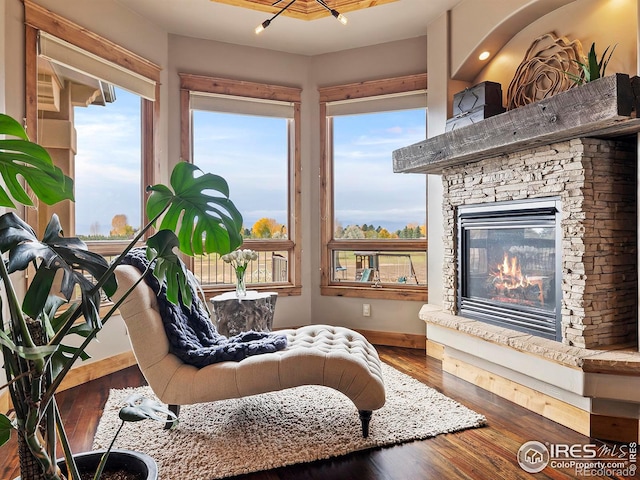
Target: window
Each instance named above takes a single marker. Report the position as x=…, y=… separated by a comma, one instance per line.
x=248, y=133
x=374, y=228
x=93, y=105
x=108, y=183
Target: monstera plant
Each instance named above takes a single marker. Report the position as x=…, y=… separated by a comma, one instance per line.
x=193, y=214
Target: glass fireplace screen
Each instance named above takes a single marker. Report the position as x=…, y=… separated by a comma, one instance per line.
x=512, y=265
x=508, y=268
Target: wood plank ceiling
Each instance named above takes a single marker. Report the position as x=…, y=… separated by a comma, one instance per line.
x=305, y=9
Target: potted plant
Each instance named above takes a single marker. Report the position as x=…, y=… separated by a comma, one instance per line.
x=194, y=214
x=135, y=409
x=592, y=68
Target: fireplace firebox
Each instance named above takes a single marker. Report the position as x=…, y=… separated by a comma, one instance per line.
x=509, y=265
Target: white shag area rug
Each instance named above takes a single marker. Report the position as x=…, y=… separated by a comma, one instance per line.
x=298, y=425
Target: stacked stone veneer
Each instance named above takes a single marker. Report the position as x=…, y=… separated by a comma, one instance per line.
x=596, y=182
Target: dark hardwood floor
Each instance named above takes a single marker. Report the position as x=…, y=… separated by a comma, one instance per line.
x=483, y=453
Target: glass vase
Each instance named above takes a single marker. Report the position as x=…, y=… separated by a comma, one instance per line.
x=241, y=286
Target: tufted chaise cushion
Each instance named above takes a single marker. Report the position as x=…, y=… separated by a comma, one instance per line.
x=335, y=357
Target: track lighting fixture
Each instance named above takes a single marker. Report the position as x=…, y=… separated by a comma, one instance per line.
x=341, y=18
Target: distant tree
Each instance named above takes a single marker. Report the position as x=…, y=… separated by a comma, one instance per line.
x=370, y=233
x=120, y=226
x=94, y=229
x=268, y=228
x=364, y=227
x=384, y=233
x=353, y=231
x=338, y=230
x=378, y=229
x=246, y=233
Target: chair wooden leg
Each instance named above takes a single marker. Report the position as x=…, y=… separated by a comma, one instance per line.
x=176, y=410
x=365, y=418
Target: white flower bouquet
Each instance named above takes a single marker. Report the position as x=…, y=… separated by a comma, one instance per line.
x=239, y=260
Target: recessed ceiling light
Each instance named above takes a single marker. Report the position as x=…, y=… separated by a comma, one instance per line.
x=484, y=55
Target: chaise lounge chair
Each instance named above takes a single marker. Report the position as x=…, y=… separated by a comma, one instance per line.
x=325, y=355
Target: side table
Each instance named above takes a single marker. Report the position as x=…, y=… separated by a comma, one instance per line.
x=233, y=315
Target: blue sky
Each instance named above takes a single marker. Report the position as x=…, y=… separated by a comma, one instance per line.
x=366, y=188
x=107, y=178
x=250, y=152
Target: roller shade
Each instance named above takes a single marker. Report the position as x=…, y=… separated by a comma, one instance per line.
x=215, y=102
x=380, y=103
x=64, y=53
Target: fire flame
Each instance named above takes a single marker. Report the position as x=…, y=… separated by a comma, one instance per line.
x=509, y=276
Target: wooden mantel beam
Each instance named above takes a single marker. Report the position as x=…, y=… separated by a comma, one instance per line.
x=602, y=108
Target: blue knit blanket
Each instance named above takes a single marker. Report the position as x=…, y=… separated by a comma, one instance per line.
x=192, y=335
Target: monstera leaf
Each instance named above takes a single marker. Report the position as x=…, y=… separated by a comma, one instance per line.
x=168, y=268
x=198, y=210
x=20, y=158
x=53, y=253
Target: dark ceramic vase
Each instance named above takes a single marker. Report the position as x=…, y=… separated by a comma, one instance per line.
x=140, y=464
x=137, y=463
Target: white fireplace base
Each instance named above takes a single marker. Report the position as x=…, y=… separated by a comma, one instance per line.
x=595, y=392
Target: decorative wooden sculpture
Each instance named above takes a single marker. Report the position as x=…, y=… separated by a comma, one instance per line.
x=542, y=72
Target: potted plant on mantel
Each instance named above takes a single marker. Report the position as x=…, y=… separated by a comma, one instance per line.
x=197, y=207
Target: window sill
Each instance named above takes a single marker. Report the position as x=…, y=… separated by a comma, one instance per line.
x=387, y=292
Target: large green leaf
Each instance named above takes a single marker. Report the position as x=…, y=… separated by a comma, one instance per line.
x=139, y=408
x=29, y=353
x=169, y=269
x=52, y=254
x=6, y=425
x=27, y=160
x=198, y=210
x=61, y=357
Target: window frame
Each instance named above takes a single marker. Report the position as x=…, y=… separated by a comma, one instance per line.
x=328, y=287
x=37, y=19
x=191, y=83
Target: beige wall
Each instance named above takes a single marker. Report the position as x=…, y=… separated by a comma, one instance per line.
x=605, y=22
x=3, y=16
x=488, y=25
x=368, y=63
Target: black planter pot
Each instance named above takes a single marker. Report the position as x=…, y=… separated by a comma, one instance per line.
x=137, y=463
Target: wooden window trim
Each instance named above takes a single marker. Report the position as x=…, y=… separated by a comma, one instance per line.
x=360, y=90
x=205, y=84
x=39, y=18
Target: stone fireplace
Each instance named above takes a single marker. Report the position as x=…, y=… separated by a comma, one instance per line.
x=540, y=269
x=504, y=210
